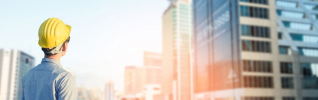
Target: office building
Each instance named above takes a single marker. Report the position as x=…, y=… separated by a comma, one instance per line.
x=136, y=78
x=109, y=91
x=14, y=65
x=176, y=44
x=130, y=80
x=255, y=49
x=82, y=93
x=152, y=59
x=150, y=90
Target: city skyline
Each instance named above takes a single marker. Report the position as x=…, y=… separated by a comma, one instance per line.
x=115, y=24
x=169, y=49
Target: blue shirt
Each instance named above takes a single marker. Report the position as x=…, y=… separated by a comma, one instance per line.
x=48, y=81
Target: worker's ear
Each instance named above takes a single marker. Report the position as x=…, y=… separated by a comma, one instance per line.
x=64, y=48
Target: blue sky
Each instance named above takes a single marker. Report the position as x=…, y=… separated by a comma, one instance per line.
x=106, y=35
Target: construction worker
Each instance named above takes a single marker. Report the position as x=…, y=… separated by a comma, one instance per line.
x=48, y=80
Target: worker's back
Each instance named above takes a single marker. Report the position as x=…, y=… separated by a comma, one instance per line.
x=48, y=81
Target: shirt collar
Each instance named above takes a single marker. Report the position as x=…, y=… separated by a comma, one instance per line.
x=52, y=61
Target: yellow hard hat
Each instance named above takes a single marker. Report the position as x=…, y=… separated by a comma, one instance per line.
x=53, y=32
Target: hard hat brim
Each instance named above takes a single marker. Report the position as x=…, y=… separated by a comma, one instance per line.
x=69, y=28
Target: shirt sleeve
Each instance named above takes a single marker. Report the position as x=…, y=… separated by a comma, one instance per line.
x=66, y=88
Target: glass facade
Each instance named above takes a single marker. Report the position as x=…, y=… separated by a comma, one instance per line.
x=286, y=4
x=254, y=12
x=26, y=63
x=287, y=82
x=311, y=7
x=214, y=47
x=298, y=26
x=258, y=82
x=256, y=46
x=311, y=52
x=257, y=66
x=255, y=31
x=264, y=2
x=284, y=50
x=286, y=68
x=310, y=75
x=304, y=38
x=289, y=98
x=290, y=14
x=310, y=98
x=258, y=98
x=216, y=50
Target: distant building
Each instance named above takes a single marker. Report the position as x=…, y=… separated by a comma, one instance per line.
x=14, y=65
x=82, y=93
x=130, y=80
x=152, y=59
x=176, y=46
x=150, y=90
x=96, y=94
x=136, y=78
x=109, y=91
x=90, y=94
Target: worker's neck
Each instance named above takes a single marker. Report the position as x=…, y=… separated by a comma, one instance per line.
x=56, y=57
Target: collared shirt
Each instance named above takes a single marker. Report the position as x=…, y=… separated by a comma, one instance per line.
x=48, y=81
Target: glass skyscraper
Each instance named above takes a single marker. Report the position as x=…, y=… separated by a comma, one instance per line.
x=176, y=44
x=255, y=49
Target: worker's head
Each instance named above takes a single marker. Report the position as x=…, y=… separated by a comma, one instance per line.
x=54, y=37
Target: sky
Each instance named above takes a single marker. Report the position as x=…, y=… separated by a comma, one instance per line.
x=106, y=35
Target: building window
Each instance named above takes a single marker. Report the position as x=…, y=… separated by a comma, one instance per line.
x=265, y=2
x=257, y=66
x=284, y=50
x=310, y=98
x=310, y=82
x=280, y=35
x=289, y=98
x=26, y=60
x=304, y=38
x=311, y=7
x=255, y=31
x=309, y=69
x=258, y=98
x=291, y=14
x=286, y=4
x=310, y=73
x=254, y=12
x=258, y=82
x=286, y=67
x=308, y=52
x=256, y=46
x=287, y=82
x=296, y=25
x=315, y=16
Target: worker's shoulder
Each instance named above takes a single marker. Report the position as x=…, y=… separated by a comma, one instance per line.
x=51, y=68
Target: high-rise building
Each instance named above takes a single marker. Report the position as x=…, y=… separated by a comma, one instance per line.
x=152, y=59
x=130, y=80
x=255, y=49
x=109, y=91
x=176, y=44
x=14, y=65
x=136, y=78
x=82, y=93
x=150, y=90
